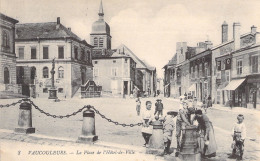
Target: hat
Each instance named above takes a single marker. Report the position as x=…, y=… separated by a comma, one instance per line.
x=158, y=100
x=174, y=113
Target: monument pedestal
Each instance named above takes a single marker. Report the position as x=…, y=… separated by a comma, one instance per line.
x=53, y=93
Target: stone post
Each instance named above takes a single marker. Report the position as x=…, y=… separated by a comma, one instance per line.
x=189, y=147
x=25, y=119
x=88, y=134
x=156, y=144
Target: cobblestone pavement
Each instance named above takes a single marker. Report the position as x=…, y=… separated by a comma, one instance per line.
x=123, y=111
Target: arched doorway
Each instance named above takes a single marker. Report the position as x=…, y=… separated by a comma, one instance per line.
x=6, y=76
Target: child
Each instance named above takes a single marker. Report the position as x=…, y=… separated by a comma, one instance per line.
x=168, y=127
x=239, y=135
x=138, y=106
x=159, y=107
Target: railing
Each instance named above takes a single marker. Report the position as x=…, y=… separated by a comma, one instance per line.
x=90, y=89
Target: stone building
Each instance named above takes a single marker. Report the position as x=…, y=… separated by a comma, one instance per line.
x=131, y=71
x=225, y=62
x=37, y=44
x=7, y=54
x=244, y=85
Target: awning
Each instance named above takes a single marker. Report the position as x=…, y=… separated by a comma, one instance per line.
x=234, y=84
x=192, y=87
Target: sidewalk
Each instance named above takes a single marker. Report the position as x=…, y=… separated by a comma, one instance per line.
x=41, y=147
x=228, y=109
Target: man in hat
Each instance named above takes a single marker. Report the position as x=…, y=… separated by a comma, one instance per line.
x=158, y=107
x=168, y=127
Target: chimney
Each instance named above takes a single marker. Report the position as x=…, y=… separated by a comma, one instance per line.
x=58, y=20
x=236, y=34
x=209, y=44
x=224, y=32
x=253, y=29
x=58, y=23
x=69, y=28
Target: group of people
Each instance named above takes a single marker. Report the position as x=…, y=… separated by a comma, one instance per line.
x=187, y=115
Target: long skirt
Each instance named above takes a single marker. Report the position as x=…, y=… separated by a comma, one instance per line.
x=211, y=148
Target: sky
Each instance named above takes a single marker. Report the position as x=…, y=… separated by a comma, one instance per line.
x=150, y=28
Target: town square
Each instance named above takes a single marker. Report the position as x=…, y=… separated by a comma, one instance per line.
x=139, y=80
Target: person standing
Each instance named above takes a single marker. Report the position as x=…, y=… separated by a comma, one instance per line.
x=239, y=136
x=138, y=106
x=168, y=128
x=208, y=146
x=147, y=117
x=181, y=122
x=159, y=107
x=209, y=101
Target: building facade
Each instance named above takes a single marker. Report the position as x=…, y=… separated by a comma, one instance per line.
x=37, y=44
x=225, y=62
x=131, y=71
x=7, y=54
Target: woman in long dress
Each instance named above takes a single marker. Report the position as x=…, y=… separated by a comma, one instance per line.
x=208, y=144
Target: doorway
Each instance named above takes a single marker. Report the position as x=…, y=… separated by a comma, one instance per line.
x=125, y=87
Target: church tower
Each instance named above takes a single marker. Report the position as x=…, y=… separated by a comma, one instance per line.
x=100, y=36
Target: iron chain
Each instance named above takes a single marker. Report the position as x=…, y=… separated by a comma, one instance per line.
x=69, y=115
x=12, y=104
x=116, y=123
x=56, y=116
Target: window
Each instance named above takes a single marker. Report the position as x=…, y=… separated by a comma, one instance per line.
x=101, y=42
x=33, y=53
x=61, y=72
x=254, y=60
x=6, y=76
x=60, y=90
x=82, y=55
x=5, y=39
x=206, y=70
x=45, y=90
x=218, y=75
x=96, y=62
x=45, y=52
x=76, y=52
x=21, y=53
x=239, y=67
x=88, y=56
x=227, y=75
x=45, y=72
x=95, y=72
x=200, y=71
x=196, y=71
x=114, y=61
x=114, y=72
x=96, y=42
x=61, y=52
x=192, y=72
x=125, y=60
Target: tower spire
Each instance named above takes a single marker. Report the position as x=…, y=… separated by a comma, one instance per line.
x=101, y=12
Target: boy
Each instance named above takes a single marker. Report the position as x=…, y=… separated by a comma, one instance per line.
x=168, y=127
x=159, y=107
x=239, y=135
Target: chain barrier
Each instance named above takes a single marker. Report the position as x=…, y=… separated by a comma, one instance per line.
x=115, y=122
x=69, y=115
x=11, y=104
x=58, y=116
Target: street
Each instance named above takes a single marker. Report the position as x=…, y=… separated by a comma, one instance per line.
x=124, y=111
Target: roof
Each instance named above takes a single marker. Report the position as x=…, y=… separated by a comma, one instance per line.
x=7, y=18
x=48, y=30
x=139, y=63
x=230, y=41
x=172, y=61
x=102, y=53
x=149, y=66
